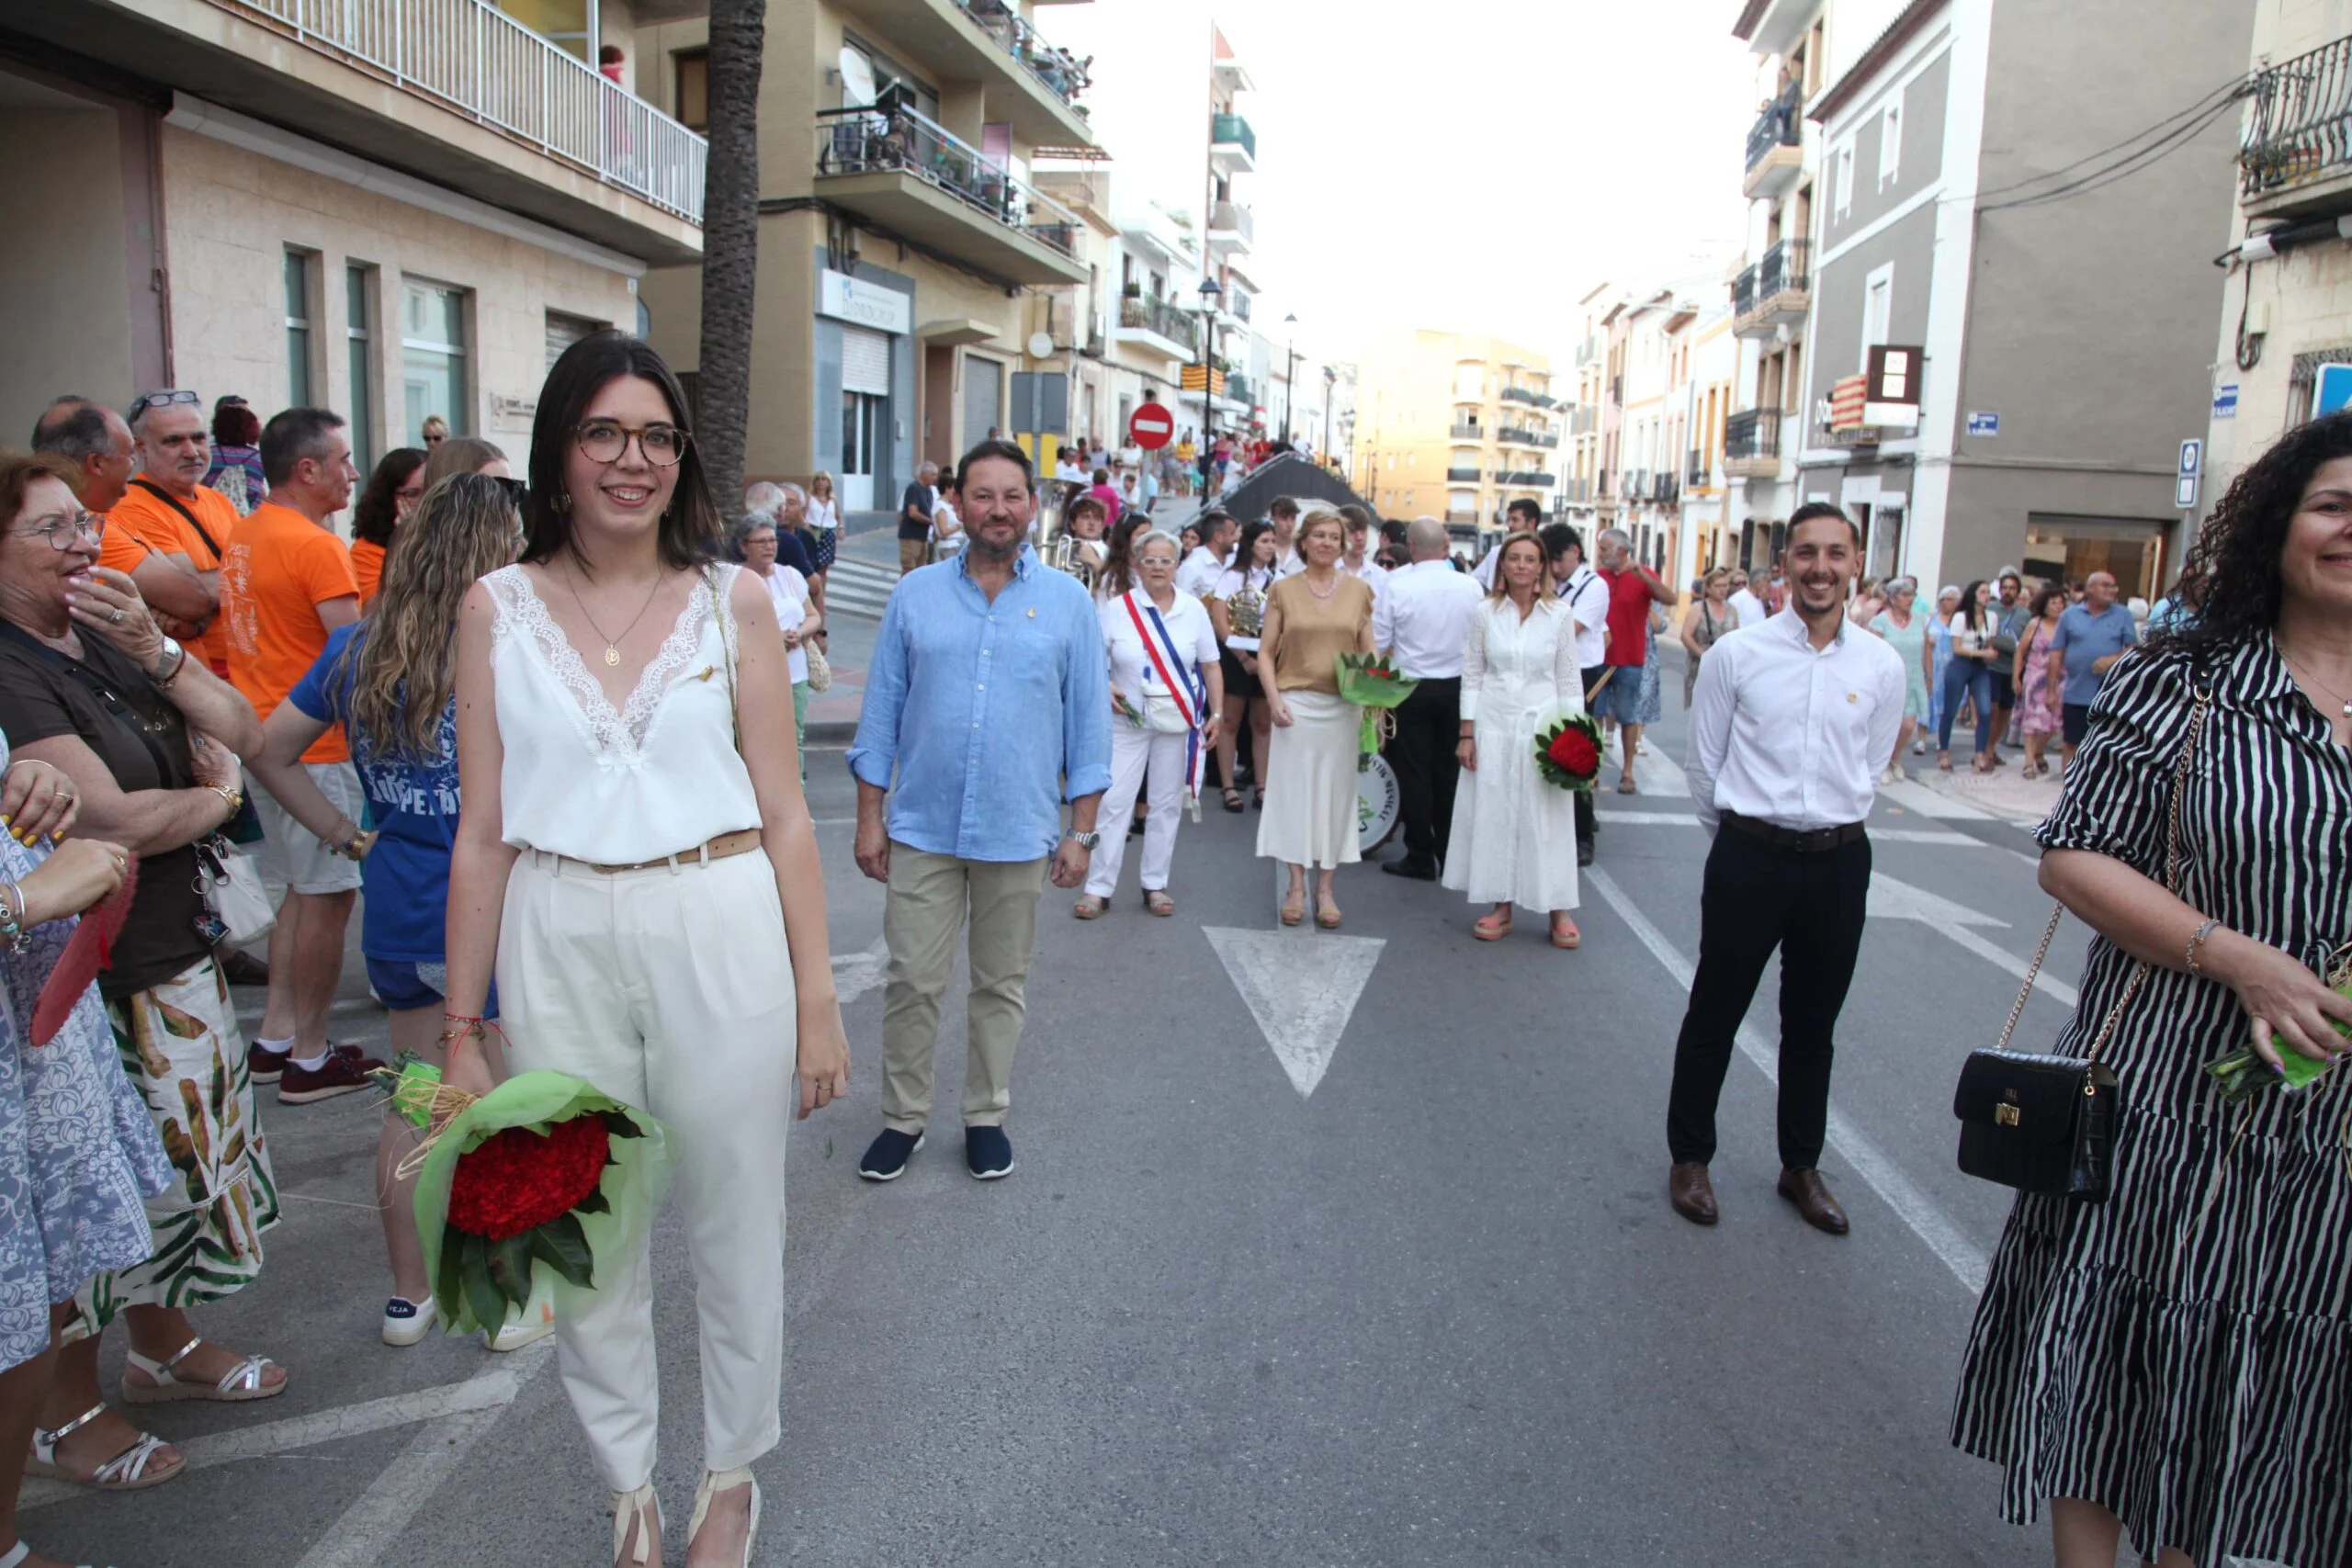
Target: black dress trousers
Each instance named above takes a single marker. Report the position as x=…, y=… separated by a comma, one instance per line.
x=1759, y=895
x=1429, y=767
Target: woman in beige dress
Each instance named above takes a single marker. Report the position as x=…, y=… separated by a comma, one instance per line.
x=1312, y=618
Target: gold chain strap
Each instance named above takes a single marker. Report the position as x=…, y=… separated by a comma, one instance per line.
x=2172, y=885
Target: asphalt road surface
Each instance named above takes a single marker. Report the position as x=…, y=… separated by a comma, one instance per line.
x=1436, y=1311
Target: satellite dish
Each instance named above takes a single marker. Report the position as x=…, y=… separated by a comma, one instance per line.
x=1041, y=345
x=857, y=80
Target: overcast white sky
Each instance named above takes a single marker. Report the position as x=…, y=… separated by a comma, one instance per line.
x=1471, y=165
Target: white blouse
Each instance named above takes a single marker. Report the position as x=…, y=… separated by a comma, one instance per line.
x=822, y=515
x=1132, y=672
x=658, y=777
x=790, y=590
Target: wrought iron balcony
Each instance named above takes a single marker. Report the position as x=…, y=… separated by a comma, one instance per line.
x=1696, y=472
x=471, y=57
x=1057, y=69
x=2297, y=156
x=1775, y=145
x=1777, y=290
x=1162, y=319
x=1527, y=395
x=1752, y=445
x=1462, y=475
x=916, y=177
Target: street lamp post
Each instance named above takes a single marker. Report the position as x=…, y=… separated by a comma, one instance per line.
x=1330, y=381
x=1210, y=294
x=1290, y=368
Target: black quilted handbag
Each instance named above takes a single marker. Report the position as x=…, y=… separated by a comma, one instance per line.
x=2046, y=1124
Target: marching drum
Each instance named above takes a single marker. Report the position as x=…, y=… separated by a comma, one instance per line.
x=1375, y=805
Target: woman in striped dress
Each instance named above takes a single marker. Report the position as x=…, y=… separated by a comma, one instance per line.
x=2177, y=1361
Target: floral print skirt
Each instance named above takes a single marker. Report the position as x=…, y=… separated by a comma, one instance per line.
x=179, y=1045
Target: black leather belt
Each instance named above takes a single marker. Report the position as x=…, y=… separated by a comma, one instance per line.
x=1818, y=840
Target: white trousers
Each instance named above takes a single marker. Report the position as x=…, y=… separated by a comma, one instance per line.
x=1132, y=749
x=667, y=990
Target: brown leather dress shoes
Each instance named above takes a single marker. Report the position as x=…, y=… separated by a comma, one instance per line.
x=1811, y=1195
x=1691, y=1193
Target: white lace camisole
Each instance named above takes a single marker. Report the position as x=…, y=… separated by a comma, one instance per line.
x=659, y=777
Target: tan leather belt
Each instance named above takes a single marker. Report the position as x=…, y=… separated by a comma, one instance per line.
x=743, y=841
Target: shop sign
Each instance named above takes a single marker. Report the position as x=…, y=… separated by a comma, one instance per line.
x=866, y=304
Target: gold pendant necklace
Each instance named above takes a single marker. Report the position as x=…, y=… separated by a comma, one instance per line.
x=612, y=644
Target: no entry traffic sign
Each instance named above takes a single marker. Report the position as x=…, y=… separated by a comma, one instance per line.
x=1152, y=427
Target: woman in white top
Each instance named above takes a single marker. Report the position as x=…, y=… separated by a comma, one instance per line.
x=634, y=852
x=946, y=527
x=1970, y=673
x=825, y=522
x=796, y=615
x=1166, y=695
x=1238, y=606
x=1514, y=838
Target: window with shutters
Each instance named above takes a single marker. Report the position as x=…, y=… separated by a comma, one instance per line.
x=564, y=331
x=865, y=361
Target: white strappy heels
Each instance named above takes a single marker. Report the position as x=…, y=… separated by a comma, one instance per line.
x=629, y=1508
x=714, y=1483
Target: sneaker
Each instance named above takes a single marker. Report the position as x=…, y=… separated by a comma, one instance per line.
x=344, y=1071
x=406, y=1322
x=885, y=1157
x=987, y=1153
x=264, y=1065
x=530, y=1323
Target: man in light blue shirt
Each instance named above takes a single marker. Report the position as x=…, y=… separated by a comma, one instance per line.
x=987, y=704
x=2091, y=637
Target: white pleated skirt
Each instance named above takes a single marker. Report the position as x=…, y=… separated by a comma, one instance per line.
x=1310, y=818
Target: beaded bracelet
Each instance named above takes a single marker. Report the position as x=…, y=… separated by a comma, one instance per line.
x=12, y=920
x=2196, y=943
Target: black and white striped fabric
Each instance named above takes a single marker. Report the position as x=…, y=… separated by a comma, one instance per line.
x=2191, y=1370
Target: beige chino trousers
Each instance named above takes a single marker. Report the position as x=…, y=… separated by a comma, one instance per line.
x=668, y=990
x=929, y=898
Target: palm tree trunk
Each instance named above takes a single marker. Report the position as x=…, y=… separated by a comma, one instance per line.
x=731, y=241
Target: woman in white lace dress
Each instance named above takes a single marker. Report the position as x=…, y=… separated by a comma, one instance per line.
x=1514, y=838
x=634, y=852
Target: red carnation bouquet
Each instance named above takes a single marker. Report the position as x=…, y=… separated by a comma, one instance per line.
x=1568, y=751
x=542, y=1171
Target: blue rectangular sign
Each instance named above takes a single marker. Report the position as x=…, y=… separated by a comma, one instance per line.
x=1981, y=424
x=2225, y=400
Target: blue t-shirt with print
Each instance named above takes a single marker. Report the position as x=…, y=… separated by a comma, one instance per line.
x=412, y=803
x=2088, y=638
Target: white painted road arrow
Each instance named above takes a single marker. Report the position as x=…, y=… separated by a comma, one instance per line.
x=1893, y=900
x=1301, y=988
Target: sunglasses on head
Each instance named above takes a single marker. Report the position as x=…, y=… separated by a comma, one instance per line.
x=517, y=491
x=146, y=401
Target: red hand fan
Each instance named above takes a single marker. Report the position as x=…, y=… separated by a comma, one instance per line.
x=88, y=950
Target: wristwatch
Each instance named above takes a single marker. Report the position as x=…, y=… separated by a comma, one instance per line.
x=167, y=663
x=1083, y=840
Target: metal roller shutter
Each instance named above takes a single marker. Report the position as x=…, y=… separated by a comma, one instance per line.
x=865, y=361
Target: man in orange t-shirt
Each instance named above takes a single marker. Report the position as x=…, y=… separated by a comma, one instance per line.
x=169, y=509
x=286, y=582
x=93, y=438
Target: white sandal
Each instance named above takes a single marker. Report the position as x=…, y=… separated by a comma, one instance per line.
x=716, y=1482
x=242, y=1382
x=629, y=1508
x=126, y=1472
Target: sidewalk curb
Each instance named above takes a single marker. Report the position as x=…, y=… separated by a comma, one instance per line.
x=831, y=732
x=1999, y=801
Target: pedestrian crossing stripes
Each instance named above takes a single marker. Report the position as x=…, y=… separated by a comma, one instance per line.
x=858, y=588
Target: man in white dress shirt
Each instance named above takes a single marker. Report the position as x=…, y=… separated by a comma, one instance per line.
x=1588, y=600
x=1789, y=722
x=1750, y=608
x=1422, y=617
x=1201, y=569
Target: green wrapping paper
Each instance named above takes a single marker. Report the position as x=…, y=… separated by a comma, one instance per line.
x=1373, y=686
x=574, y=1248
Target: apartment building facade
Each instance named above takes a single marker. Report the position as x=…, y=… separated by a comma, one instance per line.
x=1454, y=426
x=389, y=209
x=1770, y=296
x=908, y=262
x=2006, y=354
x=2284, y=317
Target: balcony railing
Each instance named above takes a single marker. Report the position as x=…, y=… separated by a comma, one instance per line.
x=1527, y=395
x=864, y=142
x=1238, y=303
x=1060, y=70
x=1232, y=130
x=1232, y=218
x=475, y=59
x=1462, y=475
x=1787, y=266
x=1778, y=126
x=1526, y=479
x=1666, y=489
x=1696, y=472
x=1752, y=442
x=1634, y=484
x=1241, y=390
x=1467, y=432
x=1576, y=492
x=1160, y=318
x=2301, y=126
x=1513, y=435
